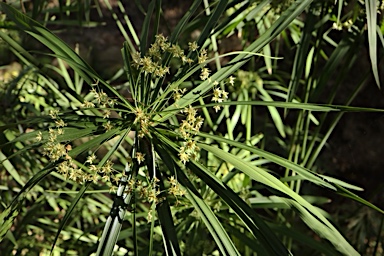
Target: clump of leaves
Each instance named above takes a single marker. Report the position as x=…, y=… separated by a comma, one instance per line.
x=171, y=155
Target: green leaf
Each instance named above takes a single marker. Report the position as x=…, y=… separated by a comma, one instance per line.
x=283, y=22
x=51, y=41
x=371, y=10
x=344, y=192
x=93, y=143
x=145, y=31
x=305, y=173
x=306, y=240
x=34, y=181
x=324, y=232
x=168, y=229
x=82, y=191
x=217, y=12
x=6, y=219
x=210, y=220
x=259, y=229
x=273, y=111
x=11, y=212
x=69, y=211
x=299, y=64
x=311, y=215
x=11, y=169
x=19, y=48
x=252, y=221
x=213, y=224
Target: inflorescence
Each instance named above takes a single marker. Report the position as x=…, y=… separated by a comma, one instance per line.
x=189, y=126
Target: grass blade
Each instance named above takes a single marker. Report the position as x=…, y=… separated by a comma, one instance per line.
x=371, y=10
x=252, y=221
x=299, y=64
x=213, y=224
x=311, y=215
x=305, y=173
x=68, y=213
x=282, y=23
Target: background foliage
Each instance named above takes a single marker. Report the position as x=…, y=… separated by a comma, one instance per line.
x=232, y=109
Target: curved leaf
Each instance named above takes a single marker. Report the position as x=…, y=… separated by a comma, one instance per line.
x=305, y=173
x=322, y=226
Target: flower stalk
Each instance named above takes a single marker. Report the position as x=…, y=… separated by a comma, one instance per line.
x=115, y=220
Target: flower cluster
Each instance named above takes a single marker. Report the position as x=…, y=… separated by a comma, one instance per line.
x=52, y=148
x=188, y=127
x=189, y=151
x=202, y=56
x=149, y=190
x=191, y=124
x=219, y=95
x=94, y=174
x=192, y=46
x=204, y=75
x=178, y=93
x=144, y=120
x=108, y=126
x=175, y=189
x=152, y=62
x=140, y=157
x=68, y=168
x=103, y=101
x=339, y=26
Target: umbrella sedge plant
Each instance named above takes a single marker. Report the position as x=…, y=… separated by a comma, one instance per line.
x=182, y=176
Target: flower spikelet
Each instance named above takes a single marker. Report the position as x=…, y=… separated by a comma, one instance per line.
x=204, y=73
x=175, y=188
x=192, y=123
x=140, y=157
x=202, y=57
x=39, y=136
x=53, y=113
x=192, y=46
x=218, y=96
